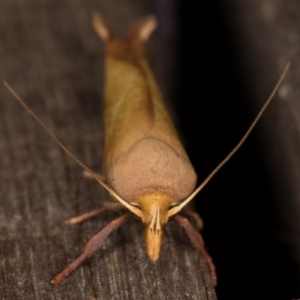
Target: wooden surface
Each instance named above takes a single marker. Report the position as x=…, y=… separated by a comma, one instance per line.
x=52, y=57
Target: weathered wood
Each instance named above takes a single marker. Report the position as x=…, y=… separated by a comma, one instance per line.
x=54, y=60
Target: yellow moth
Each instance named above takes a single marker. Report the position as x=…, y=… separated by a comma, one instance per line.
x=145, y=167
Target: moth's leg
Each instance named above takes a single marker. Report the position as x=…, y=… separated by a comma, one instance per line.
x=198, y=243
x=194, y=216
x=87, y=174
x=92, y=246
x=114, y=207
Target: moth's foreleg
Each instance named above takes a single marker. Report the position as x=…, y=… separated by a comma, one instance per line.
x=92, y=246
x=198, y=243
x=114, y=207
x=193, y=216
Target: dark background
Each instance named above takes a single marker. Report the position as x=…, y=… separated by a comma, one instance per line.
x=242, y=211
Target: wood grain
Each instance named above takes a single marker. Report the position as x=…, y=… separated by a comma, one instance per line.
x=54, y=60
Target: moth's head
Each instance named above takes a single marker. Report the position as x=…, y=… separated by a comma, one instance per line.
x=154, y=215
x=154, y=210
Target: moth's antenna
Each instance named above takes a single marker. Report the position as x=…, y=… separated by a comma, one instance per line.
x=177, y=208
x=133, y=209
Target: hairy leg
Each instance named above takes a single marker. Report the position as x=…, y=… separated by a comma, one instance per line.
x=114, y=207
x=198, y=243
x=92, y=246
x=194, y=216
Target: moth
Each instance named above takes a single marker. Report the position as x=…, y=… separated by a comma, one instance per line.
x=145, y=167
